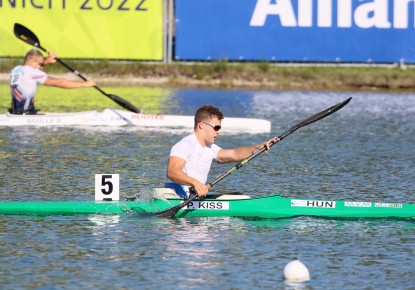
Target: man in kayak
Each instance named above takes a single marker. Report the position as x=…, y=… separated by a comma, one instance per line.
x=190, y=159
x=25, y=78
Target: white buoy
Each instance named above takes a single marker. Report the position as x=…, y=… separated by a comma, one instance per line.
x=295, y=271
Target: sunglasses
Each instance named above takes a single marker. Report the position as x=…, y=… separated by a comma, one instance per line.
x=216, y=127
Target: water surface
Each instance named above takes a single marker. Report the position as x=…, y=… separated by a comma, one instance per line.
x=363, y=152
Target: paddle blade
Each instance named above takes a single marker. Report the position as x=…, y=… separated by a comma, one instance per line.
x=171, y=212
x=24, y=34
x=315, y=118
x=326, y=112
x=123, y=103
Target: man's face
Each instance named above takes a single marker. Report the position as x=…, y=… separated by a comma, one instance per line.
x=212, y=129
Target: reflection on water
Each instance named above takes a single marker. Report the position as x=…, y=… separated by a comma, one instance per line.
x=363, y=152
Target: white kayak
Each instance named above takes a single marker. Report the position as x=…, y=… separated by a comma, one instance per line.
x=117, y=118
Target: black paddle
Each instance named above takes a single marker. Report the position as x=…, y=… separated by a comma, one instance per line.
x=24, y=34
x=171, y=212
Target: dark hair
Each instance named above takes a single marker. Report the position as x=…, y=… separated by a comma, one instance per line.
x=205, y=113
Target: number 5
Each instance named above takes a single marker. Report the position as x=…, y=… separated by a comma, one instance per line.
x=105, y=182
x=107, y=187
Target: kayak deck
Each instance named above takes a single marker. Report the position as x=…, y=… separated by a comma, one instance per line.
x=272, y=206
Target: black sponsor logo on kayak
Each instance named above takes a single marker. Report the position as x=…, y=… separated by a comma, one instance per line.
x=216, y=205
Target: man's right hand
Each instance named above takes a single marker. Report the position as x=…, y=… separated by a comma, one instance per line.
x=201, y=189
x=52, y=58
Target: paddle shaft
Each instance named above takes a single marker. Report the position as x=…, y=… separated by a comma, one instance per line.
x=171, y=212
x=306, y=122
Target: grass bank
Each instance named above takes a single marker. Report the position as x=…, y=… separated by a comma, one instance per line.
x=222, y=74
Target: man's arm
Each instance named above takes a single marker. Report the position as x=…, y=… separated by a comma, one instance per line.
x=68, y=84
x=239, y=154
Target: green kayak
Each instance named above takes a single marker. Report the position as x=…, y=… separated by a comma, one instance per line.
x=272, y=206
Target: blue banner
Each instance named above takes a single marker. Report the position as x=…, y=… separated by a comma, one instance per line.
x=375, y=31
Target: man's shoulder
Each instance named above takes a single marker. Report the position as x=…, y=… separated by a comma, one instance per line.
x=30, y=69
x=27, y=70
x=17, y=68
x=188, y=140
